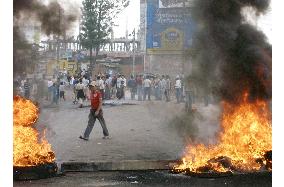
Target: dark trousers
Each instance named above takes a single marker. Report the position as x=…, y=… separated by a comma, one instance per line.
x=27, y=94
x=189, y=100
x=147, y=91
x=133, y=91
x=103, y=93
x=167, y=94
x=62, y=95
x=91, y=123
x=178, y=94
x=107, y=93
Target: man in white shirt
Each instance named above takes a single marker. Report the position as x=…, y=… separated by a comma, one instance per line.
x=178, y=89
x=101, y=85
x=118, y=82
x=147, y=88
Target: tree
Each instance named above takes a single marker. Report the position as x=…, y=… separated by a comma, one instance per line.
x=97, y=22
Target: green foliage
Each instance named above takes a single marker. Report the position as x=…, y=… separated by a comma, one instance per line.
x=97, y=21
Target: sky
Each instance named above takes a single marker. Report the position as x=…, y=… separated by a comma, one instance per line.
x=130, y=18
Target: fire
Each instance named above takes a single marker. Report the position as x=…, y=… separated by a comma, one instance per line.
x=28, y=150
x=25, y=112
x=245, y=139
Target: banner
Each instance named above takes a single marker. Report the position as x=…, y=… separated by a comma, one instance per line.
x=169, y=26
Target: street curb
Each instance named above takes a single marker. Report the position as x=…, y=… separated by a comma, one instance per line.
x=125, y=165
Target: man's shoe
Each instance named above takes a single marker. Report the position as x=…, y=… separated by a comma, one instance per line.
x=81, y=137
x=106, y=137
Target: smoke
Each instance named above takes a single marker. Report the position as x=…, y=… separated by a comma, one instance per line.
x=231, y=56
x=52, y=17
x=53, y=21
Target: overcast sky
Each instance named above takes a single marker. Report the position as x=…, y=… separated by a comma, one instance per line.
x=130, y=15
x=130, y=18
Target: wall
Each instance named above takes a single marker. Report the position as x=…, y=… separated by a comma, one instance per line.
x=168, y=65
x=169, y=33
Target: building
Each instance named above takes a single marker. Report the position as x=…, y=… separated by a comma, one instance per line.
x=167, y=27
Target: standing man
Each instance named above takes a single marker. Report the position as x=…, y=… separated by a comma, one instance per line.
x=27, y=87
x=101, y=84
x=123, y=82
x=108, y=87
x=119, y=86
x=62, y=91
x=168, y=88
x=132, y=85
x=189, y=94
x=178, y=89
x=96, y=112
x=80, y=92
x=163, y=84
x=55, y=93
x=139, y=82
x=50, y=89
x=147, y=88
x=113, y=87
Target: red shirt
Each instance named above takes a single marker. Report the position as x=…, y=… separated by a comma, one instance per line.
x=95, y=99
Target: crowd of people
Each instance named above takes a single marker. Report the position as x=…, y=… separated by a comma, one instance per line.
x=141, y=87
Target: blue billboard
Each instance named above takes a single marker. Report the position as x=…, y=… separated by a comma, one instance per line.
x=169, y=26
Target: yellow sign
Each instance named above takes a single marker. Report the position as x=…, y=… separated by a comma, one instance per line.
x=172, y=38
x=53, y=66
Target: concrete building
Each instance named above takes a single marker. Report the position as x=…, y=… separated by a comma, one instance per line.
x=166, y=35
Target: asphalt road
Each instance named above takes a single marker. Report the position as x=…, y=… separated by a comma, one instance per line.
x=147, y=178
x=138, y=132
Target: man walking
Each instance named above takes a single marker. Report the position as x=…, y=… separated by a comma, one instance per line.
x=96, y=112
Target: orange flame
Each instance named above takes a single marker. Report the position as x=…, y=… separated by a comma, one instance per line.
x=246, y=136
x=28, y=150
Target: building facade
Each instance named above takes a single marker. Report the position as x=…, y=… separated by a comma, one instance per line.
x=168, y=29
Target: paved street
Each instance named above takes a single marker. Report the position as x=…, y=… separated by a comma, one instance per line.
x=147, y=178
x=139, y=132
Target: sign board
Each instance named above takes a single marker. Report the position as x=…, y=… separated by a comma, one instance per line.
x=169, y=26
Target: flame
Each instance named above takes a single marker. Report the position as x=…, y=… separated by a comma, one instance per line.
x=28, y=150
x=25, y=112
x=246, y=137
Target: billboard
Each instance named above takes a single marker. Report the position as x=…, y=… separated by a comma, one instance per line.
x=175, y=3
x=169, y=26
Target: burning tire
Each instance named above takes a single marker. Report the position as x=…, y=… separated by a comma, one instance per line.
x=35, y=172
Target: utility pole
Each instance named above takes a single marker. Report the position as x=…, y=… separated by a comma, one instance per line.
x=133, y=60
x=58, y=38
x=183, y=48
